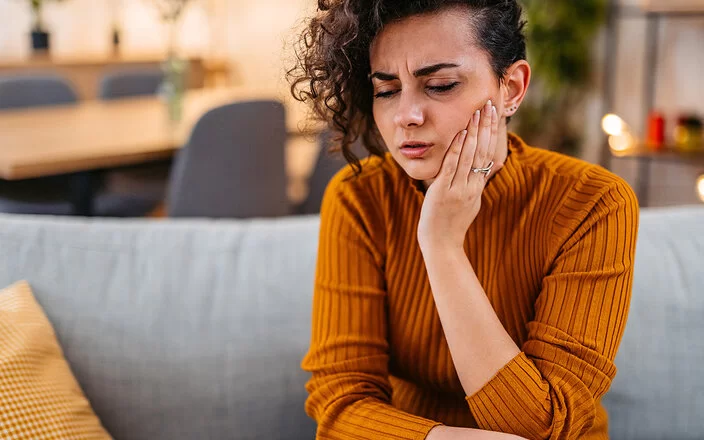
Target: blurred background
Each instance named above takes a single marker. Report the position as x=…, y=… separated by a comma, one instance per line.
x=136, y=108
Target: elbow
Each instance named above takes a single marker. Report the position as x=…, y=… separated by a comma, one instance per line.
x=568, y=419
x=327, y=413
x=329, y=398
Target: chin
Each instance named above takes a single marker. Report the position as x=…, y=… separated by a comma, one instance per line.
x=420, y=169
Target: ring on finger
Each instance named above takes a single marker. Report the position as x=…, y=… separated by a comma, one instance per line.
x=486, y=171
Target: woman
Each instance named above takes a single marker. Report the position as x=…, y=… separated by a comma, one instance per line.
x=468, y=286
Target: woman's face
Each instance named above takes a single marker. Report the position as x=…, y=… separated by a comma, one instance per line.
x=429, y=77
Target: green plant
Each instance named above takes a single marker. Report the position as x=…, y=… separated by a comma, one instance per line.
x=37, y=13
x=560, y=42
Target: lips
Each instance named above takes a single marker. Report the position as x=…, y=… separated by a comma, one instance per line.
x=415, y=149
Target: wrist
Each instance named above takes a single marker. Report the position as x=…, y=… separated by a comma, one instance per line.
x=440, y=260
x=431, y=247
x=436, y=433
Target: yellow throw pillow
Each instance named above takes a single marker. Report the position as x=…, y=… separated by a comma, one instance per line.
x=39, y=397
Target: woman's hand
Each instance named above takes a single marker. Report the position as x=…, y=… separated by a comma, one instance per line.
x=453, y=200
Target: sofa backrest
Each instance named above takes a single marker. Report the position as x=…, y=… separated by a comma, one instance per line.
x=195, y=329
x=658, y=392
x=177, y=329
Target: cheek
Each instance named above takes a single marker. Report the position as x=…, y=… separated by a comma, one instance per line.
x=378, y=116
x=384, y=122
x=452, y=117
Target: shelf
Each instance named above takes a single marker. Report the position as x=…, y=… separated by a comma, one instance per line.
x=653, y=13
x=667, y=155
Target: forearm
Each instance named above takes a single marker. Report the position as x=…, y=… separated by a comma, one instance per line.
x=451, y=433
x=478, y=342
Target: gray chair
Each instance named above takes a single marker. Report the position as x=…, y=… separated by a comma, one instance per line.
x=147, y=181
x=35, y=91
x=327, y=165
x=51, y=195
x=233, y=165
x=130, y=83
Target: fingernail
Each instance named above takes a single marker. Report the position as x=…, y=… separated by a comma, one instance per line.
x=493, y=109
x=489, y=104
x=477, y=114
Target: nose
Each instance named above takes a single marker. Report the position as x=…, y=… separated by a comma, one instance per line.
x=409, y=112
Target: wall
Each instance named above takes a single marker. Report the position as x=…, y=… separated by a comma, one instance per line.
x=252, y=34
x=84, y=26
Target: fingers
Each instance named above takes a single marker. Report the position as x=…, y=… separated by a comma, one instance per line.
x=468, y=150
x=494, y=136
x=448, y=170
x=474, y=147
x=484, y=138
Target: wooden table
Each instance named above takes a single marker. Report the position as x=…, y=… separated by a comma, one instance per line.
x=97, y=135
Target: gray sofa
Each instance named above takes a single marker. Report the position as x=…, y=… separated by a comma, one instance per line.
x=195, y=329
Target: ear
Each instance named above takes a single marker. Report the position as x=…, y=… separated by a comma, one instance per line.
x=515, y=86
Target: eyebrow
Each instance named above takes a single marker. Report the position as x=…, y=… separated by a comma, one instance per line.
x=423, y=71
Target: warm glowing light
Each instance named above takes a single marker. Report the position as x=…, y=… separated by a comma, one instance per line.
x=621, y=143
x=700, y=187
x=613, y=125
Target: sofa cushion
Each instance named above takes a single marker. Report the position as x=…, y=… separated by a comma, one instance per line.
x=177, y=329
x=39, y=397
x=658, y=392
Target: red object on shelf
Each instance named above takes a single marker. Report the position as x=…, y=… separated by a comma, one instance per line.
x=656, y=131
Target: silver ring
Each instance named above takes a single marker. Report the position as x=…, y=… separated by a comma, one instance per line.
x=484, y=171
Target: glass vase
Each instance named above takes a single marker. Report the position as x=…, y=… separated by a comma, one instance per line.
x=173, y=88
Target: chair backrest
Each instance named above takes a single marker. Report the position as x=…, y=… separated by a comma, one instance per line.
x=129, y=83
x=327, y=165
x=35, y=91
x=233, y=165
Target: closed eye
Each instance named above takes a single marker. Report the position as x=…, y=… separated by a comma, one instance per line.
x=434, y=89
x=385, y=94
x=443, y=88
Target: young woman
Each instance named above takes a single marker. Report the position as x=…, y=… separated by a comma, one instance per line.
x=468, y=286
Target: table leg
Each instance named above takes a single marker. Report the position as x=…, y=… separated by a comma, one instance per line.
x=83, y=193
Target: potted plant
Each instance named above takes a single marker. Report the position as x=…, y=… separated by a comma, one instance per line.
x=40, y=36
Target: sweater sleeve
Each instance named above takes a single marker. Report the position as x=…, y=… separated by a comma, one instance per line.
x=350, y=392
x=550, y=390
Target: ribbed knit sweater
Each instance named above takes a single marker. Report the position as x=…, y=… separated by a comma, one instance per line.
x=553, y=247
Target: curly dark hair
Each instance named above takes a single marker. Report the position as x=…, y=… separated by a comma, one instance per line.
x=332, y=67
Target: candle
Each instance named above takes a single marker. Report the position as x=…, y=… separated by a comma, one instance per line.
x=656, y=131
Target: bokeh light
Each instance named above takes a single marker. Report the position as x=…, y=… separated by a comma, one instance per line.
x=622, y=142
x=613, y=125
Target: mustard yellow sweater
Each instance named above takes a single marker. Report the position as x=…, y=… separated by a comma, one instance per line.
x=553, y=247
